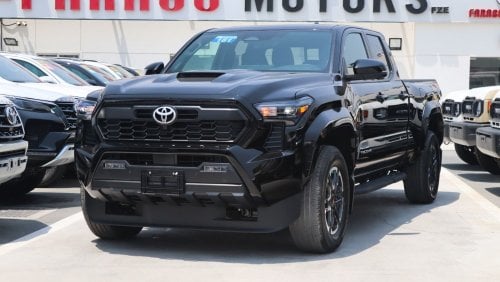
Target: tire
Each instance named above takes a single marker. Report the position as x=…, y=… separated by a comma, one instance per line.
x=422, y=182
x=466, y=154
x=488, y=163
x=27, y=182
x=325, y=203
x=105, y=231
x=53, y=174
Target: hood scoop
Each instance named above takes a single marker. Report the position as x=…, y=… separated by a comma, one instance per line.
x=198, y=76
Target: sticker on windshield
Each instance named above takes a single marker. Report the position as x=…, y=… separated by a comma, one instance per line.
x=225, y=39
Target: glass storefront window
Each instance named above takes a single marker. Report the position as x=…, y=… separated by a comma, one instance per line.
x=484, y=72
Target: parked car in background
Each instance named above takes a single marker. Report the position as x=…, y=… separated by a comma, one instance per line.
x=13, y=149
x=48, y=117
x=51, y=72
x=476, y=114
x=103, y=69
x=452, y=112
x=121, y=72
x=90, y=75
x=130, y=70
x=488, y=138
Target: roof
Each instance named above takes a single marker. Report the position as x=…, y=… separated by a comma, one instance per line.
x=310, y=26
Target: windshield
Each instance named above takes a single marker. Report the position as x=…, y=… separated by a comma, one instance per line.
x=276, y=50
x=10, y=70
x=98, y=73
x=62, y=72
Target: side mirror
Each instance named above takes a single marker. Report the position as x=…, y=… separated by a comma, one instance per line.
x=48, y=79
x=154, y=68
x=366, y=69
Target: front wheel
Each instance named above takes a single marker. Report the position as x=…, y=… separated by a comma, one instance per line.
x=422, y=182
x=27, y=182
x=105, y=231
x=488, y=163
x=324, y=211
x=466, y=154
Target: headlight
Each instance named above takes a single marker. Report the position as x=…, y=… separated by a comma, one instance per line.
x=67, y=99
x=477, y=108
x=31, y=105
x=290, y=111
x=84, y=109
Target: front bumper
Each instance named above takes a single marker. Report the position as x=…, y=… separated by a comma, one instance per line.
x=65, y=156
x=192, y=188
x=13, y=160
x=446, y=134
x=488, y=141
x=464, y=133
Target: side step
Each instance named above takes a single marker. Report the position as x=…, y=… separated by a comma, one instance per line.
x=379, y=183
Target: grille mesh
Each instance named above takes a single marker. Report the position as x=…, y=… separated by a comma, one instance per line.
x=9, y=132
x=118, y=129
x=68, y=108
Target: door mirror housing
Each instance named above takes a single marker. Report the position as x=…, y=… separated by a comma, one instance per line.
x=154, y=68
x=368, y=69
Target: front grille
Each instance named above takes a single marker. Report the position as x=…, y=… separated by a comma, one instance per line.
x=274, y=141
x=68, y=108
x=192, y=124
x=8, y=131
x=210, y=131
x=182, y=114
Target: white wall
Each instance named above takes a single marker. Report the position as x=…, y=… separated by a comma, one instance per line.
x=138, y=43
x=443, y=51
x=440, y=51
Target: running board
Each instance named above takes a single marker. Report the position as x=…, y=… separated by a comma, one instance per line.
x=379, y=183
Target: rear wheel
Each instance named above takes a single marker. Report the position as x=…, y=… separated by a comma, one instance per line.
x=488, y=163
x=466, y=154
x=422, y=183
x=105, y=231
x=324, y=211
x=27, y=182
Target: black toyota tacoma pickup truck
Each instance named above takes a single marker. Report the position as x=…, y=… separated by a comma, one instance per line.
x=255, y=129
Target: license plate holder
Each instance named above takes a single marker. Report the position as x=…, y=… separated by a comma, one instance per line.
x=165, y=182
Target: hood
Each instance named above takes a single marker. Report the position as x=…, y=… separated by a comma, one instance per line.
x=456, y=96
x=252, y=86
x=64, y=90
x=22, y=91
x=484, y=93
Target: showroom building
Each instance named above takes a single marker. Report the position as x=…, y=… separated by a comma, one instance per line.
x=455, y=41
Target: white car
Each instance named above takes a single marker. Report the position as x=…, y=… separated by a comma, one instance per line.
x=452, y=112
x=51, y=119
x=48, y=71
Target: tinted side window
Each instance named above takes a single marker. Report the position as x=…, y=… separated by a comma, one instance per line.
x=38, y=72
x=377, y=50
x=353, y=50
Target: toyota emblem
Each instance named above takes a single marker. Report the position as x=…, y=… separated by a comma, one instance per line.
x=165, y=115
x=11, y=115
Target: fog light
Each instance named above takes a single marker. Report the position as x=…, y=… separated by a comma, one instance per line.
x=215, y=168
x=114, y=165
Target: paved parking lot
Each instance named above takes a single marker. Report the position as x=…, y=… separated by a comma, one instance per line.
x=44, y=238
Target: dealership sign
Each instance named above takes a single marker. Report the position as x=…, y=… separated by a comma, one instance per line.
x=253, y=10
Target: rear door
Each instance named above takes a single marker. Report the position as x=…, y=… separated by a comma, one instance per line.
x=381, y=107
